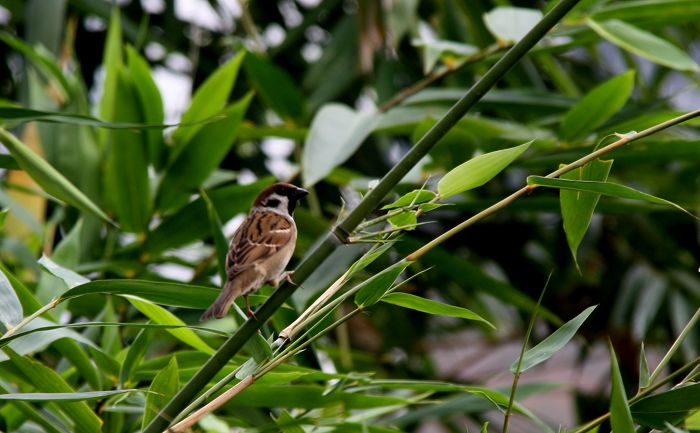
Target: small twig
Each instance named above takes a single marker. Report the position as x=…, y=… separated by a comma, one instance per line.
x=212, y=406
x=624, y=139
x=31, y=317
x=437, y=75
x=674, y=347
x=291, y=330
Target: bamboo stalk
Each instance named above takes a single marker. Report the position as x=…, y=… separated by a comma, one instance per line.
x=339, y=234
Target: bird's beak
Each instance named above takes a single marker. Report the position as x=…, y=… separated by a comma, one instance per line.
x=300, y=193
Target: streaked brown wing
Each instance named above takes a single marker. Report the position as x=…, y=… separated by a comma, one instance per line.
x=261, y=235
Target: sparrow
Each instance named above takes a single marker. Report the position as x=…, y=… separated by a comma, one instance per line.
x=261, y=247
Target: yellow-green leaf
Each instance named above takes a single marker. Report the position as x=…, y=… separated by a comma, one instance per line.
x=479, y=170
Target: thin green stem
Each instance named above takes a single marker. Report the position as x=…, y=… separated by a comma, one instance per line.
x=516, y=377
x=339, y=234
x=624, y=139
x=640, y=395
x=675, y=346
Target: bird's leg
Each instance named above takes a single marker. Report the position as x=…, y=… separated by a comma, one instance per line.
x=285, y=276
x=248, y=311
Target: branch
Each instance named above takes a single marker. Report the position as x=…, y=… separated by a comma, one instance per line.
x=624, y=139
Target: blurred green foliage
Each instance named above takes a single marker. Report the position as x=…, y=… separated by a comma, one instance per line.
x=117, y=183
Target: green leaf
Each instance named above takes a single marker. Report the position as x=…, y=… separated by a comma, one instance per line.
x=220, y=243
x=416, y=196
x=667, y=407
x=276, y=88
x=434, y=50
x=11, y=312
x=150, y=102
x=372, y=289
x=201, y=156
x=336, y=132
x=577, y=207
x=605, y=188
x=209, y=99
x=647, y=11
x=41, y=325
x=370, y=256
x=510, y=24
x=135, y=355
x=162, y=389
x=160, y=292
x=10, y=163
x=31, y=413
x=164, y=317
x=406, y=220
x=186, y=226
x=417, y=303
x=311, y=397
x=126, y=180
x=620, y=415
x=72, y=279
x=48, y=177
x=112, y=60
x=597, y=106
x=288, y=424
x=28, y=114
x=553, y=343
x=65, y=396
x=645, y=44
x=643, y=369
x=478, y=170
x=45, y=379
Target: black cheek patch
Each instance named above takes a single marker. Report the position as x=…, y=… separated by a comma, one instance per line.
x=272, y=202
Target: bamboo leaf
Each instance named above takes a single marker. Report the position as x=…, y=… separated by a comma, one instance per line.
x=160, y=292
x=135, y=354
x=510, y=24
x=643, y=369
x=336, y=132
x=220, y=243
x=150, y=102
x=478, y=170
x=620, y=415
x=276, y=87
x=209, y=99
x=645, y=44
x=597, y=106
x=577, y=207
x=164, y=386
x=416, y=196
x=667, y=407
x=27, y=114
x=72, y=279
x=553, y=343
x=126, y=180
x=11, y=311
x=65, y=396
x=201, y=156
x=372, y=289
x=48, y=177
x=417, y=303
x=162, y=316
x=605, y=188
x=45, y=379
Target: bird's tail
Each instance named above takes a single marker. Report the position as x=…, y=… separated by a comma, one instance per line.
x=223, y=303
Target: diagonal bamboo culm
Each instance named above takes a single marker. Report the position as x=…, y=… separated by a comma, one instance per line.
x=338, y=235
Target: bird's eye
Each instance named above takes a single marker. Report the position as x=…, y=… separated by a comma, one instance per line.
x=272, y=202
